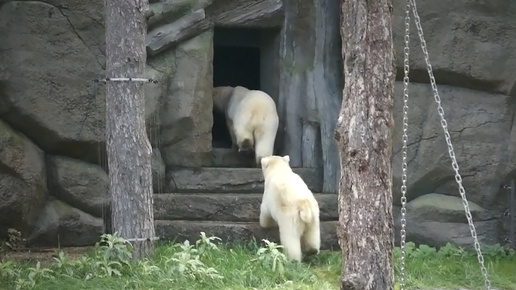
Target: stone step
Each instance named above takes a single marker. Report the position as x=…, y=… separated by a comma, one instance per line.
x=234, y=207
x=227, y=157
x=235, y=232
x=218, y=179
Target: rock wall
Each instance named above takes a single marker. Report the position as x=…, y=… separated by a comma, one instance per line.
x=472, y=52
x=53, y=181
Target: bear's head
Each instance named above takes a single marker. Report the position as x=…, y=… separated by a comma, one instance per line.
x=221, y=96
x=274, y=162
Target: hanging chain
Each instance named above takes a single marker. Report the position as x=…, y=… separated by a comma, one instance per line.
x=406, y=68
x=451, y=152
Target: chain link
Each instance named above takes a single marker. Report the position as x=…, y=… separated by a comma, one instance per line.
x=406, y=68
x=451, y=152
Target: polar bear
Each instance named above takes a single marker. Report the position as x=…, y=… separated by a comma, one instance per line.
x=251, y=117
x=288, y=203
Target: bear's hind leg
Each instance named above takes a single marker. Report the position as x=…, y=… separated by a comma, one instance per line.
x=244, y=139
x=266, y=220
x=312, y=238
x=290, y=238
x=264, y=145
x=229, y=124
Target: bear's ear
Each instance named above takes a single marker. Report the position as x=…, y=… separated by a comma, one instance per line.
x=286, y=158
x=264, y=161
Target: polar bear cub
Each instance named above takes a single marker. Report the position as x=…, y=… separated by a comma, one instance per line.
x=251, y=117
x=288, y=203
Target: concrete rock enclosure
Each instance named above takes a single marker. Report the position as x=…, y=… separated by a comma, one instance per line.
x=53, y=181
x=472, y=55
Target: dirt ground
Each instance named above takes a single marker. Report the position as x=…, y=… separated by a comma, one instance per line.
x=43, y=255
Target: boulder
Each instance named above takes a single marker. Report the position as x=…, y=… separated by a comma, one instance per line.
x=436, y=219
x=479, y=124
x=23, y=181
x=80, y=184
x=62, y=225
x=438, y=234
x=444, y=208
x=471, y=43
x=85, y=185
x=49, y=93
x=187, y=118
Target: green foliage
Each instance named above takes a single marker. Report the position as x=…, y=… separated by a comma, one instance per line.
x=270, y=256
x=186, y=263
x=208, y=264
x=451, y=266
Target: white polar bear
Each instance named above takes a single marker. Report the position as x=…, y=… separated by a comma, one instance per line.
x=288, y=203
x=251, y=117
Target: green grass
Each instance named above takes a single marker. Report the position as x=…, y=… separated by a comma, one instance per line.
x=253, y=266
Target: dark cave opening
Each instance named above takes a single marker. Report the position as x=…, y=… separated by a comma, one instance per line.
x=236, y=62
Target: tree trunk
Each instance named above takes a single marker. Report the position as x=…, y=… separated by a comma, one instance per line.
x=364, y=137
x=128, y=148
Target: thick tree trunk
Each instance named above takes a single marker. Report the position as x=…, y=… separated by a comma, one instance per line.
x=364, y=137
x=128, y=148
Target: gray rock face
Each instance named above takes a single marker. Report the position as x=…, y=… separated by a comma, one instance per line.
x=471, y=43
x=23, y=179
x=61, y=224
x=80, y=184
x=49, y=92
x=158, y=171
x=436, y=219
x=230, y=180
x=186, y=125
x=444, y=208
x=236, y=207
x=480, y=125
x=50, y=95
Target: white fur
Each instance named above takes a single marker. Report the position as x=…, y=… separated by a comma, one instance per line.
x=250, y=115
x=288, y=203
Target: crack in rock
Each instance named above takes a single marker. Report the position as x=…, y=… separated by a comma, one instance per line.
x=80, y=37
x=477, y=126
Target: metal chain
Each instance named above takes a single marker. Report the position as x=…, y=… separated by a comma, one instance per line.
x=451, y=152
x=406, y=68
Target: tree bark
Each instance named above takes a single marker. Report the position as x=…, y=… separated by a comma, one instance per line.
x=128, y=148
x=364, y=137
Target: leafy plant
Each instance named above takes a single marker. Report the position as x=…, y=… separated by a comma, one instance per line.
x=205, y=244
x=186, y=263
x=497, y=251
x=450, y=250
x=272, y=257
x=9, y=270
x=114, y=247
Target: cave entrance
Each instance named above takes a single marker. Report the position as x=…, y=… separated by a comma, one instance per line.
x=243, y=57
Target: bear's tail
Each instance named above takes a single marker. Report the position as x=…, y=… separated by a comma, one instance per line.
x=247, y=145
x=305, y=211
